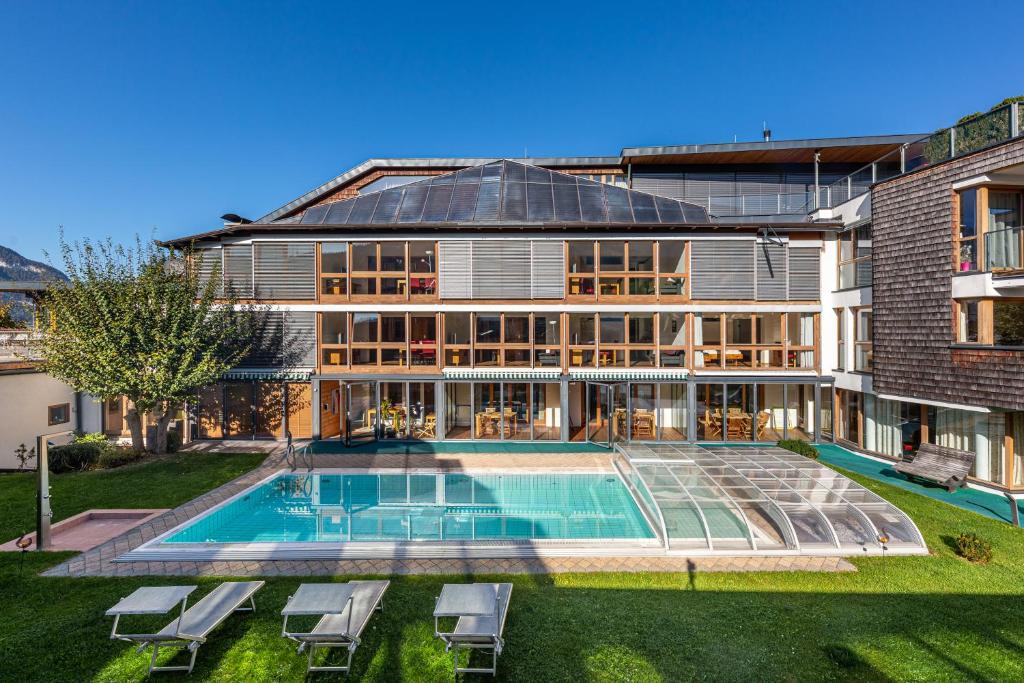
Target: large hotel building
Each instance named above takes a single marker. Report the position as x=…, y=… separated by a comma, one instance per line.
x=866, y=290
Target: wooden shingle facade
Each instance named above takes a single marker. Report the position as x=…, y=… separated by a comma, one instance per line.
x=915, y=353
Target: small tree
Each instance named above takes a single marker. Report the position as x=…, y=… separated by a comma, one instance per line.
x=142, y=323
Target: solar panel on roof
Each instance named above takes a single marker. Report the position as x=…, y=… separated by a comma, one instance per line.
x=693, y=214
x=464, y=201
x=592, y=207
x=412, y=203
x=515, y=173
x=314, y=214
x=362, y=208
x=643, y=208
x=339, y=212
x=468, y=175
x=491, y=172
x=387, y=207
x=669, y=211
x=567, y=202
x=513, y=202
x=535, y=174
x=487, y=202
x=443, y=179
x=618, y=205
x=438, y=199
x=539, y=204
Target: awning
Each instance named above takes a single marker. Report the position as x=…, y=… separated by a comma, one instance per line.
x=301, y=375
x=503, y=373
x=616, y=374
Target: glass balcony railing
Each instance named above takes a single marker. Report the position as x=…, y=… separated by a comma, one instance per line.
x=1004, y=250
x=998, y=125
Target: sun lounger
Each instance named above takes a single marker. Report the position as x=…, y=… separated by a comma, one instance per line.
x=481, y=609
x=194, y=624
x=344, y=609
x=947, y=467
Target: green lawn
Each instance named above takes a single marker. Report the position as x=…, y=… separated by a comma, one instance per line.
x=163, y=482
x=917, y=618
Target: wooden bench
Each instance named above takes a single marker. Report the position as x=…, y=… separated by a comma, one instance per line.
x=945, y=466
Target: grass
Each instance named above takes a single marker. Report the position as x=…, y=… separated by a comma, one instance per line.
x=161, y=482
x=919, y=618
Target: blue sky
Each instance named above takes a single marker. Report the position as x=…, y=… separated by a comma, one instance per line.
x=142, y=117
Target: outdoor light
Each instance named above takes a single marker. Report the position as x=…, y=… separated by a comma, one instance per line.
x=23, y=545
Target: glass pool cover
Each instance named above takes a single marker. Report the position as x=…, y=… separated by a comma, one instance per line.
x=411, y=506
x=760, y=498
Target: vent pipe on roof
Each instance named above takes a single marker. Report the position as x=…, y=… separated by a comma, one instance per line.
x=766, y=131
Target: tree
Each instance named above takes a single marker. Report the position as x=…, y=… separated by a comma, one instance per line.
x=141, y=322
x=8, y=320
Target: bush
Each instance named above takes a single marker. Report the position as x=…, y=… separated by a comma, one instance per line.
x=117, y=456
x=973, y=548
x=94, y=437
x=74, y=457
x=800, y=447
x=173, y=440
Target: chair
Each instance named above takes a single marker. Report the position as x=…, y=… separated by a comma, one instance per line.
x=762, y=423
x=341, y=629
x=429, y=428
x=643, y=425
x=193, y=626
x=481, y=609
x=712, y=424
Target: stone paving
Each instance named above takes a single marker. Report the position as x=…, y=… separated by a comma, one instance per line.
x=99, y=561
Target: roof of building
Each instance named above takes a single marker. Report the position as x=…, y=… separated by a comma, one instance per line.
x=505, y=192
x=859, y=149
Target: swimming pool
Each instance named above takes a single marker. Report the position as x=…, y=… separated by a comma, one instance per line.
x=332, y=508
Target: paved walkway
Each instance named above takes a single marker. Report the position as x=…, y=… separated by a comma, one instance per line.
x=100, y=560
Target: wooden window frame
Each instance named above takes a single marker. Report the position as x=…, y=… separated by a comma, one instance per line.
x=855, y=260
x=980, y=217
x=51, y=419
x=858, y=344
x=840, y=339
x=662, y=276
x=985, y=228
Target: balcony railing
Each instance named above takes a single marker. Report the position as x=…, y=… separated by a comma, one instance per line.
x=18, y=343
x=1004, y=249
x=999, y=125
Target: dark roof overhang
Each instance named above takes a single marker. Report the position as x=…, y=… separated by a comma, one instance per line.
x=861, y=149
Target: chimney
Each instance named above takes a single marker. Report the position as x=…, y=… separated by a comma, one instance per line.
x=766, y=132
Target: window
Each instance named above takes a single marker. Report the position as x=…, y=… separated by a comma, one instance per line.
x=1004, y=239
x=581, y=269
x=966, y=242
x=862, y=340
x=855, y=257
x=840, y=339
x=990, y=322
x=672, y=268
x=672, y=339
x=58, y=414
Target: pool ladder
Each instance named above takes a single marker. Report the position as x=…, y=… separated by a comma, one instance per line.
x=292, y=456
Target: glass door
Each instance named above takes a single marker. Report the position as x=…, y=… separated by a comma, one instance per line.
x=361, y=415
x=606, y=413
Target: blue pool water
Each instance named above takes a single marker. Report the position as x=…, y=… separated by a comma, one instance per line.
x=335, y=508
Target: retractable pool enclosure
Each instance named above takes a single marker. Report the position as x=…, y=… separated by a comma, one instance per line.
x=751, y=499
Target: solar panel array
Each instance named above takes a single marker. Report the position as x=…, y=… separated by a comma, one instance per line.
x=505, y=192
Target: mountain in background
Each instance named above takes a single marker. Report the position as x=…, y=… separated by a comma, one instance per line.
x=14, y=266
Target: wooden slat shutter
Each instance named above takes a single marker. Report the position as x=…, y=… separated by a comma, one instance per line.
x=238, y=269
x=207, y=260
x=722, y=269
x=804, y=273
x=501, y=269
x=772, y=276
x=285, y=270
x=288, y=339
x=548, y=270
x=455, y=263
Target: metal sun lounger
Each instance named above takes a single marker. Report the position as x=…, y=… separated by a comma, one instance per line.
x=481, y=609
x=346, y=609
x=194, y=624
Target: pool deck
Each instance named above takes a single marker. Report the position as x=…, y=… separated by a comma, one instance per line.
x=100, y=561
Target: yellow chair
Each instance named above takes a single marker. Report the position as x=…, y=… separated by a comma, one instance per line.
x=429, y=428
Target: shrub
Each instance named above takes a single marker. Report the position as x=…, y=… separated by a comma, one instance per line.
x=94, y=437
x=800, y=447
x=973, y=548
x=117, y=456
x=173, y=440
x=74, y=457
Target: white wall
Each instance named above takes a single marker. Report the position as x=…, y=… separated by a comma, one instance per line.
x=24, y=399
